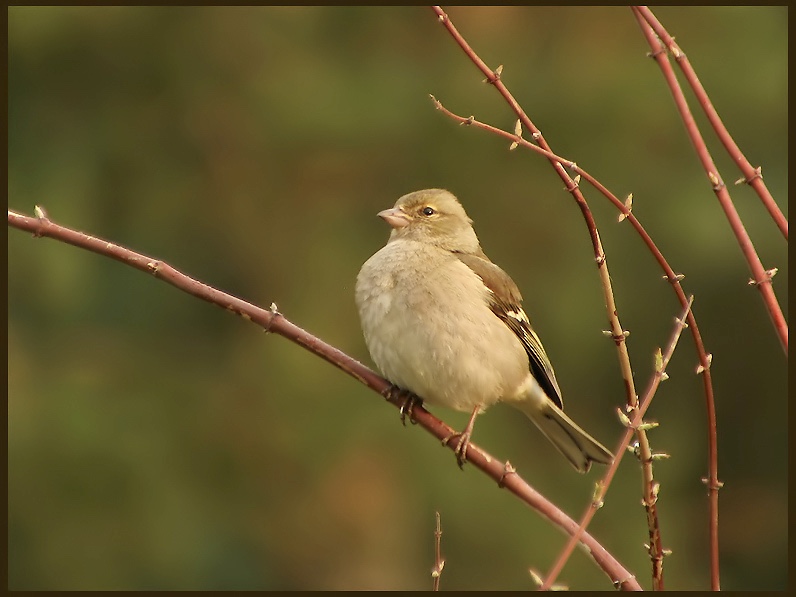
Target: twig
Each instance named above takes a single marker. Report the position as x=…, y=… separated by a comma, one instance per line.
x=273, y=321
x=616, y=332
x=644, y=450
x=439, y=562
x=751, y=175
x=637, y=422
x=705, y=358
x=761, y=277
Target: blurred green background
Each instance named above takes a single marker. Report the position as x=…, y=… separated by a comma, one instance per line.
x=156, y=442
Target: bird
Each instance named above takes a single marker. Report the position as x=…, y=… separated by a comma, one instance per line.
x=444, y=323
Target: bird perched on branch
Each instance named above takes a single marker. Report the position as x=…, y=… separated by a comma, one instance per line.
x=445, y=323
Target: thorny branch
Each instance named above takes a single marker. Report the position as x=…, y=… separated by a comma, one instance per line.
x=273, y=321
x=761, y=278
x=751, y=175
x=654, y=548
x=572, y=185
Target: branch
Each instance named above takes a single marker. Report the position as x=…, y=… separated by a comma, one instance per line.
x=761, y=277
x=439, y=561
x=273, y=321
x=559, y=163
x=751, y=175
x=651, y=491
x=572, y=185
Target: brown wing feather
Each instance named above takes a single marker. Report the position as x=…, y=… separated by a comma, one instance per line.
x=506, y=303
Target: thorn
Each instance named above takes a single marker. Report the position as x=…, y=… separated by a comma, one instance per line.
x=623, y=418
x=518, y=128
x=701, y=368
x=508, y=469
x=274, y=314
x=770, y=273
x=537, y=135
x=599, y=493
x=574, y=184
x=495, y=75
x=513, y=146
x=535, y=577
x=619, y=582
x=469, y=121
x=658, y=360
x=758, y=173
x=41, y=215
x=628, y=206
x=654, y=490
x=719, y=484
x=660, y=456
x=677, y=278
x=715, y=181
x=647, y=426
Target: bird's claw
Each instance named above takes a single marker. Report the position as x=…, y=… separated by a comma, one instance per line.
x=409, y=400
x=461, y=446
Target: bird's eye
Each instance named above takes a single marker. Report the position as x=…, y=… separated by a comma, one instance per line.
x=428, y=211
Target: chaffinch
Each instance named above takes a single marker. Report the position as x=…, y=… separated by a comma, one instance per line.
x=445, y=323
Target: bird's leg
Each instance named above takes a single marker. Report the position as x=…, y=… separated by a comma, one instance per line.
x=409, y=400
x=464, y=438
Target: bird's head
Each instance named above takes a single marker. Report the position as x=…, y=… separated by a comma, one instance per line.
x=432, y=216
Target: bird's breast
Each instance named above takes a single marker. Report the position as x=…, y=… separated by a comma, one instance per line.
x=430, y=330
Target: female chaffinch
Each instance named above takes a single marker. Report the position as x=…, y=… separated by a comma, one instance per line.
x=445, y=323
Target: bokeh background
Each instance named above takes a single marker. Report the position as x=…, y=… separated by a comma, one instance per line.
x=156, y=442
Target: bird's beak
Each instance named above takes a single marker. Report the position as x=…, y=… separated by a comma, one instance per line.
x=394, y=217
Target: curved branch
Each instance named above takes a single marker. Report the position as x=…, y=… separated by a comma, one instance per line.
x=751, y=175
x=273, y=321
x=761, y=277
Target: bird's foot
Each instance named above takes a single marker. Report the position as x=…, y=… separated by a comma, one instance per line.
x=407, y=401
x=464, y=439
x=461, y=446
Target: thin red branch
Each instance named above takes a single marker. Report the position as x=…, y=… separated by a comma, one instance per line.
x=761, y=277
x=752, y=176
x=273, y=321
x=650, y=498
x=616, y=331
x=705, y=358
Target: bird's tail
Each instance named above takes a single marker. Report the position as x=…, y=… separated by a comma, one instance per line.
x=576, y=445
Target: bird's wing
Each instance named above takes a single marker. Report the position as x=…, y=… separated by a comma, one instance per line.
x=506, y=303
